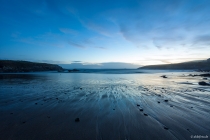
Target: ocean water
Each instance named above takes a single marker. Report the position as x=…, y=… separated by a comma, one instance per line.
x=111, y=104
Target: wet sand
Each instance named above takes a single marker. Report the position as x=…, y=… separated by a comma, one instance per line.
x=109, y=107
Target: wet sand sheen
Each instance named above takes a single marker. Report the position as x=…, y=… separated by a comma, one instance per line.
x=108, y=107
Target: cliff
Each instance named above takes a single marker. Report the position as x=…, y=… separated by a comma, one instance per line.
x=25, y=66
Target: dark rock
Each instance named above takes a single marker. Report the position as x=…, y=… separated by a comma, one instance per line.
x=166, y=100
x=165, y=127
x=158, y=102
x=138, y=105
x=77, y=120
x=204, y=75
x=145, y=114
x=74, y=70
x=205, y=79
x=164, y=76
x=141, y=109
x=202, y=83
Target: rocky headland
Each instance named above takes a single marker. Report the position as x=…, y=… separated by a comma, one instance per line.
x=11, y=66
x=200, y=66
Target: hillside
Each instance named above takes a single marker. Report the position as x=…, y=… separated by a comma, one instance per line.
x=193, y=65
x=25, y=66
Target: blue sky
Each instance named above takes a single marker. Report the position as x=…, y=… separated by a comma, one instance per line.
x=141, y=32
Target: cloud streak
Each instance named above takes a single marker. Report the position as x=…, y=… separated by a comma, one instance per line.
x=76, y=45
x=124, y=30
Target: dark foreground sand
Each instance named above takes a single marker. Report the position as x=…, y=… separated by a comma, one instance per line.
x=109, y=107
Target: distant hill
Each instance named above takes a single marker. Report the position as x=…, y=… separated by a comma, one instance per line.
x=104, y=65
x=192, y=65
x=25, y=66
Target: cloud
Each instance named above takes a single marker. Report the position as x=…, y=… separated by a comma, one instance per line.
x=103, y=48
x=76, y=45
x=15, y=34
x=125, y=32
x=202, y=39
x=68, y=31
x=76, y=61
x=98, y=28
x=156, y=44
x=40, y=40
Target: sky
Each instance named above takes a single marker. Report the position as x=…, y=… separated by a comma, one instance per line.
x=98, y=32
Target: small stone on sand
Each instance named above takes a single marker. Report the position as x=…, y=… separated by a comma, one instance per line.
x=164, y=76
x=166, y=128
x=77, y=120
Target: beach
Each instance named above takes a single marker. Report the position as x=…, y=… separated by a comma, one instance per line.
x=103, y=106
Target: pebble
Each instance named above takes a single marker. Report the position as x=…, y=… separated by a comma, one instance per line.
x=77, y=120
x=166, y=128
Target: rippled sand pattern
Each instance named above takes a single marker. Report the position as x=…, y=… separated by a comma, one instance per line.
x=109, y=107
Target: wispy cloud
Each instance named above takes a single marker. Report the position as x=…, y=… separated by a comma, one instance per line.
x=76, y=45
x=68, y=31
x=114, y=28
x=103, y=48
x=202, y=39
x=76, y=61
x=97, y=28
